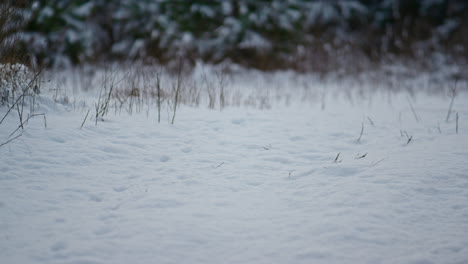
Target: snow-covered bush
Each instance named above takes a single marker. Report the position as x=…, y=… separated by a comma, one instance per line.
x=272, y=33
x=12, y=20
x=242, y=31
x=13, y=77
x=64, y=32
x=16, y=80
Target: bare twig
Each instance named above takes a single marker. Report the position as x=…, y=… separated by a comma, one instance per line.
x=45, y=120
x=409, y=140
x=219, y=165
x=221, y=77
x=177, y=90
x=370, y=121
x=408, y=137
x=377, y=162
x=362, y=131
x=3, y=144
x=26, y=121
x=20, y=111
x=412, y=110
x=337, y=157
x=158, y=85
x=358, y=156
x=267, y=147
x=86, y=117
x=22, y=95
x=11, y=107
x=454, y=94
x=102, y=106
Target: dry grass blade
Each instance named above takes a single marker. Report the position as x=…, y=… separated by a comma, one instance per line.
x=337, y=157
x=453, y=95
x=26, y=121
x=11, y=108
x=358, y=156
x=158, y=84
x=177, y=90
x=84, y=120
x=4, y=143
x=414, y=111
x=362, y=132
x=377, y=162
x=219, y=165
x=370, y=121
x=21, y=97
x=409, y=140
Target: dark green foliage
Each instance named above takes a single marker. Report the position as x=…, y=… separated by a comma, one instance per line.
x=263, y=34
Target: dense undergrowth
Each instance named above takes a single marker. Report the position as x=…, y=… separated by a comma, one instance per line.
x=319, y=36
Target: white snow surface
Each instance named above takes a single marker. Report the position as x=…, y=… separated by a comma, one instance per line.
x=240, y=185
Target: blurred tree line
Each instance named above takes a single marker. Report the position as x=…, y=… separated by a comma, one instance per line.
x=266, y=34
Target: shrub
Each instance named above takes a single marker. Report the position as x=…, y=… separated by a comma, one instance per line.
x=301, y=34
x=14, y=80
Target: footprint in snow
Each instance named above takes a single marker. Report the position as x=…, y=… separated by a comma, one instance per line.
x=238, y=121
x=95, y=198
x=341, y=171
x=296, y=138
x=102, y=231
x=120, y=188
x=187, y=149
x=60, y=245
x=58, y=140
x=164, y=158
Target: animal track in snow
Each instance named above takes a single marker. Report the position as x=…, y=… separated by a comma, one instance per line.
x=238, y=121
x=164, y=158
x=187, y=149
x=120, y=188
x=60, y=245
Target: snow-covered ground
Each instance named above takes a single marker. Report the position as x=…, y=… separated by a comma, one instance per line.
x=291, y=184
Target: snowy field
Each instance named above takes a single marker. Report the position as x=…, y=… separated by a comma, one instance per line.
x=294, y=183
